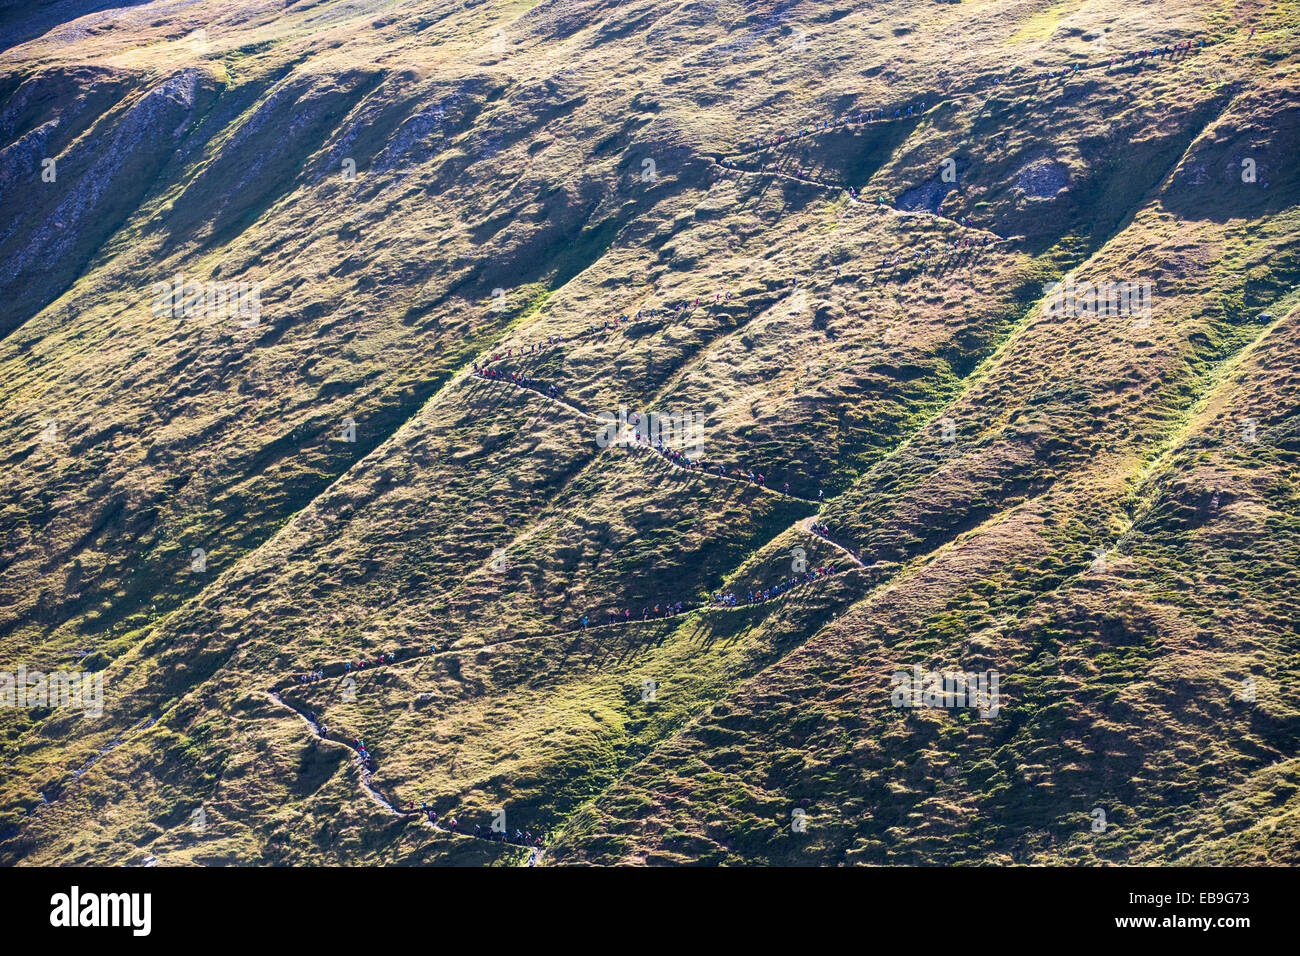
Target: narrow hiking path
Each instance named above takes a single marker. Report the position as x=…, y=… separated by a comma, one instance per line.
x=365, y=766
x=364, y=771
x=51, y=795
x=361, y=667
x=365, y=762
x=626, y=439
x=806, y=525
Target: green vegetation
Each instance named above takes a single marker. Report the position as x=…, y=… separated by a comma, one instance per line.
x=1103, y=510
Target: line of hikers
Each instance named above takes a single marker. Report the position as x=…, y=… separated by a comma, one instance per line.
x=315, y=676
x=551, y=341
x=684, y=461
x=452, y=825
x=687, y=463
x=1119, y=59
x=549, y=389
x=781, y=587
x=386, y=658
x=648, y=613
x=363, y=753
x=1183, y=47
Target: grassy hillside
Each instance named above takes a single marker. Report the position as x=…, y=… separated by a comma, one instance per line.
x=852, y=243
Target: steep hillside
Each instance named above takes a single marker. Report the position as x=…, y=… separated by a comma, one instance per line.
x=314, y=319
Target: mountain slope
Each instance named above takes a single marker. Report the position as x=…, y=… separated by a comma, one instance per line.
x=207, y=504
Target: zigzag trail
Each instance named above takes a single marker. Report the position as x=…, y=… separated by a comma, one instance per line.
x=486, y=373
x=365, y=768
x=626, y=439
x=366, y=772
